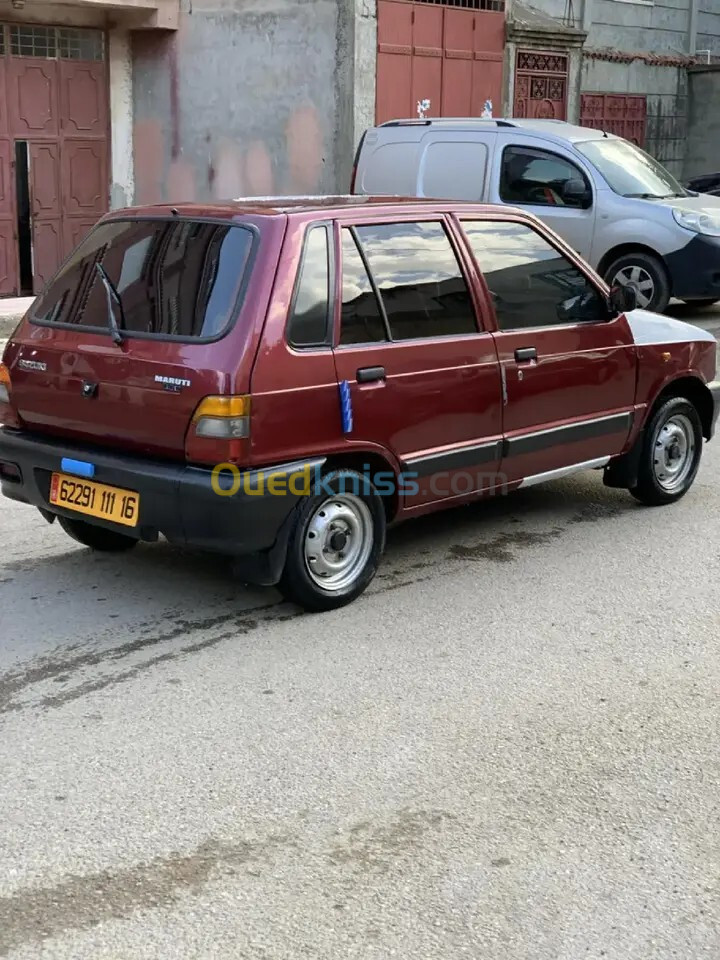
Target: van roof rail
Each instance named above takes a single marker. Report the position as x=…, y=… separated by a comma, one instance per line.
x=439, y=120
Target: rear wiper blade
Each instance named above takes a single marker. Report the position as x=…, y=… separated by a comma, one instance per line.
x=112, y=295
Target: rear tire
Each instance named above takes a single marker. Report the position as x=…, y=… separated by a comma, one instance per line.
x=97, y=538
x=671, y=453
x=335, y=544
x=649, y=276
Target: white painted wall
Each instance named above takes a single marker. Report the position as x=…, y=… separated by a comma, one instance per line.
x=122, y=185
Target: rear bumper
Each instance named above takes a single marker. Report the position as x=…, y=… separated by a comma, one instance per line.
x=176, y=501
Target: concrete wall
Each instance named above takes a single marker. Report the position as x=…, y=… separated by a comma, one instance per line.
x=667, y=102
x=708, y=26
x=661, y=27
x=251, y=97
x=703, y=144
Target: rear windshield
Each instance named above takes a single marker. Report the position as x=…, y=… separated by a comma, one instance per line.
x=179, y=278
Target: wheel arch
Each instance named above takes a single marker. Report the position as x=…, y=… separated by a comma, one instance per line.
x=623, y=249
x=693, y=389
x=363, y=460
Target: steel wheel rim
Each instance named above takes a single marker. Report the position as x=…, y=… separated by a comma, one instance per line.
x=674, y=452
x=642, y=281
x=338, y=542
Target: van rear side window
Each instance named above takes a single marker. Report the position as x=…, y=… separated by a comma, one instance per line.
x=179, y=278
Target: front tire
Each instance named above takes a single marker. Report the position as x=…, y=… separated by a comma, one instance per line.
x=335, y=544
x=97, y=538
x=671, y=453
x=648, y=275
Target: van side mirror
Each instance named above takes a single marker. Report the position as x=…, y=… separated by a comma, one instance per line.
x=623, y=299
x=577, y=192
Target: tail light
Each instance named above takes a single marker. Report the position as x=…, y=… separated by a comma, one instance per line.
x=219, y=431
x=7, y=414
x=4, y=384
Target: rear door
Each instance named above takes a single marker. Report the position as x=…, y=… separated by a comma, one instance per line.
x=531, y=176
x=423, y=378
x=569, y=370
x=181, y=284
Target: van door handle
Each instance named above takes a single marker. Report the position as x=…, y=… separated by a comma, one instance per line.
x=369, y=374
x=526, y=353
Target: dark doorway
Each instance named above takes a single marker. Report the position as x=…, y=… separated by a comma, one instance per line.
x=24, y=226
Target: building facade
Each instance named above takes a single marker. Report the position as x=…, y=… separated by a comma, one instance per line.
x=106, y=103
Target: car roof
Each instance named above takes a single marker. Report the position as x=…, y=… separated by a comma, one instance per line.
x=554, y=129
x=285, y=206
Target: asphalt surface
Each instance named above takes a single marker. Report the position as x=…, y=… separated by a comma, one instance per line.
x=507, y=750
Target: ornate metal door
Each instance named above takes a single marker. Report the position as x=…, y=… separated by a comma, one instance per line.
x=541, y=80
x=623, y=114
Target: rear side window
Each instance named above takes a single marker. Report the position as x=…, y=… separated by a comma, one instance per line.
x=179, y=278
x=310, y=312
x=454, y=169
x=419, y=279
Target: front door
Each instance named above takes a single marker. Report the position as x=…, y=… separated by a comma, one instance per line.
x=423, y=379
x=569, y=370
x=550, y=186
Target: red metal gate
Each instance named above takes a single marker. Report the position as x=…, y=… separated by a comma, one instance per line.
x=619, y=113
x=449, y=52
x=541, y=85
x=54, y=98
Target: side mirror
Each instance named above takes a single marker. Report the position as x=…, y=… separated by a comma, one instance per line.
x=576, y=191
x=623, y=299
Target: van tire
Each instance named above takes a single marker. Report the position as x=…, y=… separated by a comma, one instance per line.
x=355, y=519
x=648, y=268
x=676, y=419
x=97, y=538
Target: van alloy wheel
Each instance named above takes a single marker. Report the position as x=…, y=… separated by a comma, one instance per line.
x=339, y=541
x=641, y=280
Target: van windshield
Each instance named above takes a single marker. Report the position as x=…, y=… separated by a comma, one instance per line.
x=630, y=171
x=179, y=278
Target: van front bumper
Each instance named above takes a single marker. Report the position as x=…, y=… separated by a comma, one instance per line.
x=695, y=269
x=177, y=501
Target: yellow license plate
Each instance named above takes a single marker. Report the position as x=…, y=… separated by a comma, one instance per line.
x=95, y=499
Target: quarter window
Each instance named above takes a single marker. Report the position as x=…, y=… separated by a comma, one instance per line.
x=309, y=320
x=541, y=178
x=419, y=279
x=531, y=284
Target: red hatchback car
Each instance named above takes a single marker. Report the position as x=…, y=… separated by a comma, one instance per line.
x=281, y=380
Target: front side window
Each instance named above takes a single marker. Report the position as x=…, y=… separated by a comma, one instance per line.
x=417, y=274
x=531, y=284
x=530, y=176
x=178, y=278
x=310, y=313
x=629, y=170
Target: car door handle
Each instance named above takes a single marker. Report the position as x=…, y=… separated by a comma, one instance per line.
x=525, y=353
x=368, y=374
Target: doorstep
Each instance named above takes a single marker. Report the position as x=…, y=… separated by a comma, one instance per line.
x=12, y=310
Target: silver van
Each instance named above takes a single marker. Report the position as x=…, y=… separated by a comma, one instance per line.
x=617, y=206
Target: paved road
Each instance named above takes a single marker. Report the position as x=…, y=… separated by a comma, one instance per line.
x=507, y=750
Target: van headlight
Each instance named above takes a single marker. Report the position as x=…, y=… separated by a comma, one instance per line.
x=698, y=221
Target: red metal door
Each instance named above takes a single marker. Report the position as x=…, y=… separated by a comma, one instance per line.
x=622, y=114
x=541, y=85
x=449, y=52
x=45, y=210
x=33, y=100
